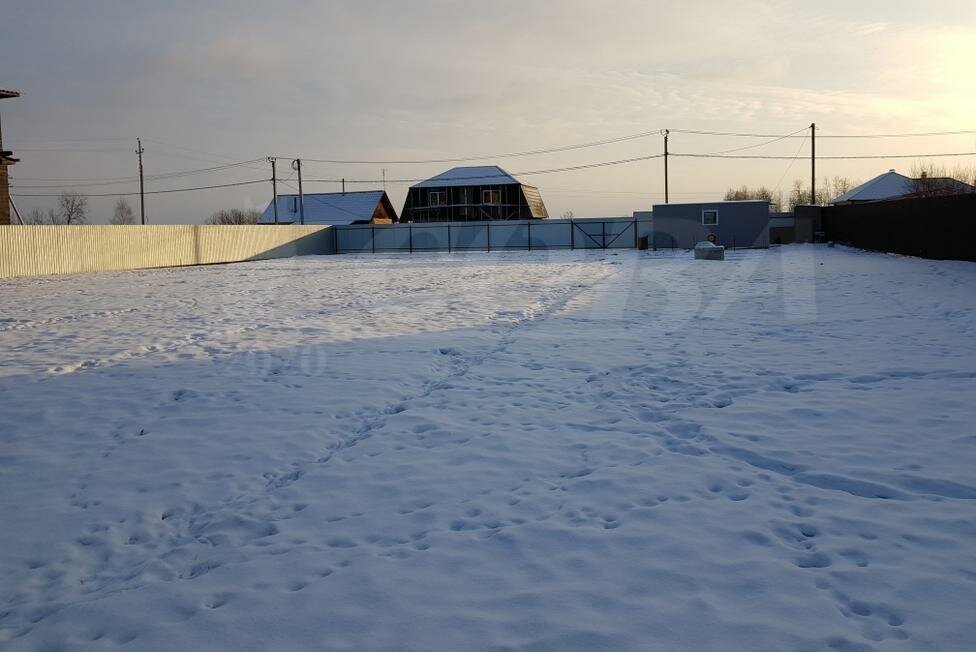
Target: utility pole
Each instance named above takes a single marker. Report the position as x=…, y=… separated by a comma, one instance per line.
x=274, y=188
x=142, y=187
x=665, y=133
x=297, y=165
x=813, y=163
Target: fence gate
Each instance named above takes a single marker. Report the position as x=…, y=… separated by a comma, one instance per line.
x=604, y=235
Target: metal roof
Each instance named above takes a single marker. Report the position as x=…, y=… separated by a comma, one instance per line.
x=484, y=175
x=884, y=186
x=946, y=185
x=328, y=208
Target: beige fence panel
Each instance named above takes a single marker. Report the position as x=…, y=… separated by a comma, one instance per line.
x=39, y=250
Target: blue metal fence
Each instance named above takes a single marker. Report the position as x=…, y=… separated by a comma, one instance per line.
x=490, y=236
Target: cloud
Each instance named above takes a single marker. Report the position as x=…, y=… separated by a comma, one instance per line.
x=431, y=78
x=870, y=28
x=239, y=56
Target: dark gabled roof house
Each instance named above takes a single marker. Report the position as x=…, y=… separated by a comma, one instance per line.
x=473, y=194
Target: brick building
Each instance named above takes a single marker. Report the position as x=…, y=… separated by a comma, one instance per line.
x=6, y=159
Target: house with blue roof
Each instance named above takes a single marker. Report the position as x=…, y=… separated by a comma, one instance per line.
x=331, y=209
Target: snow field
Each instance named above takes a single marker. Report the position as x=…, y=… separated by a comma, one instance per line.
x=558, y=451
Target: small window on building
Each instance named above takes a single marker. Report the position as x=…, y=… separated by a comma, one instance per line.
x=710, y=218
x=491, y=197
x=437, y=198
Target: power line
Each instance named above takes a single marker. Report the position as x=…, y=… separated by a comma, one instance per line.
x=91, y=182
x=650, y=157
x=74, y=179
x=191, y=149
x=915, y=135
x=564, y=148
x=819, y=135
x=80, y=150
x=592, y=165
x=152, y=177
x=58, y=141
x=152, y=192
x=623, y=194
x=727, y=154
x=763, y=144
x=792, y=161
x=572, y=168
x=213, y=157
x=830, y=158
x=619, y=139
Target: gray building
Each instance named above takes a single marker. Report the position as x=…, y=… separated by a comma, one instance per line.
x=733, y=223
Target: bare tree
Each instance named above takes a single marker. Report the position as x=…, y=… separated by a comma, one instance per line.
x=36, y=216
x=930, y=179
x=839, y=186
x=234, y=216
x=775, y=198
x=799, y=194
x=123, y=213
x=72, y=209
x=966, y=174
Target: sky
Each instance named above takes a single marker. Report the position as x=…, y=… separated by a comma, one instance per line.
x=207, y=84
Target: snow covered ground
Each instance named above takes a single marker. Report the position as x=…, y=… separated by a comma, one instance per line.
x=545, y=451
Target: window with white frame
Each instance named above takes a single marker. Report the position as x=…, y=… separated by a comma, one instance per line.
x=710, y=218
x=491, y=197
x=437, y=198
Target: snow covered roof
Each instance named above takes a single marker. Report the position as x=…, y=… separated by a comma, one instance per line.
x=328, y=208
x=483, y=175
x=884, y=186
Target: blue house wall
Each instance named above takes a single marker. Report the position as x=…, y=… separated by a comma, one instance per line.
x=740, y=224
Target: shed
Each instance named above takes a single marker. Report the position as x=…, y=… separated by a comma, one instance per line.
x=473, y=194
x=733, y=223
x=332, y=208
